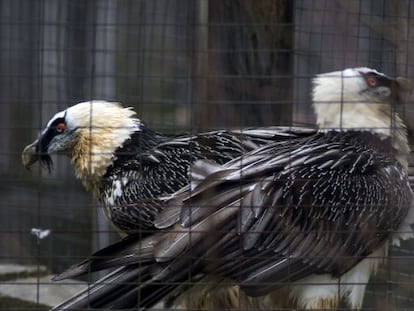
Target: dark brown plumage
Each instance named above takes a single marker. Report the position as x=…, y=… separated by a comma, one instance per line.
x=311, y=216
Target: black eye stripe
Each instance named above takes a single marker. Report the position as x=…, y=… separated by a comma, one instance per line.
x=57, y=121
x=51, y=132
x=381, y=80
x=45, y=139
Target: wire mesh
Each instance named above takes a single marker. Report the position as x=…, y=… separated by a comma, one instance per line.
x=185, y=66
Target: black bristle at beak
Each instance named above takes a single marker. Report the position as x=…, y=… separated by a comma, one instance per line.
x=46, y=161
x=31, y=154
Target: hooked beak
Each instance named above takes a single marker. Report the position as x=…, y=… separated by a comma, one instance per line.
x=31, y=155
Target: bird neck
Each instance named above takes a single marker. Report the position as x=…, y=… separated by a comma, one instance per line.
x=140, y=142
x=95, y=152
x=376, y=118
x=399, y=138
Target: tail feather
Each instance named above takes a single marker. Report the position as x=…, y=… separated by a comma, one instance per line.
x=106, y=289
x=126, y=288
x=138, y=286
x=128, y=251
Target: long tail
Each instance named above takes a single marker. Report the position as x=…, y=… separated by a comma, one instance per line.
x=138, y=283
x=130, y=287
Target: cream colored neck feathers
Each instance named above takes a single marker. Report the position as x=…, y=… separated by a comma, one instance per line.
x=100, y=132
x=340, y=103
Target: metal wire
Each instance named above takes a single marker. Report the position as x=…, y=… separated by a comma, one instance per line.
x=185, y=66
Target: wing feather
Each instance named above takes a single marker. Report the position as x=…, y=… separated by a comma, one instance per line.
x=285, y=211
x=313, y=209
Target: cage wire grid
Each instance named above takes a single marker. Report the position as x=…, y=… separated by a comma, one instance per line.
x=185, y=66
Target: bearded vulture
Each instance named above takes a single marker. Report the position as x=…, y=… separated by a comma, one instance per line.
x=300, y=222
x=126, y=165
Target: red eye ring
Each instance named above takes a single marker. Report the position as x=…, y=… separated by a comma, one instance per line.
x=372, y=81
x=60, y=127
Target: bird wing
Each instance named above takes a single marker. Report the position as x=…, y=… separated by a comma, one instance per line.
x=135, y=187
x=291, y=209
x=276, y=215
x=131, y=250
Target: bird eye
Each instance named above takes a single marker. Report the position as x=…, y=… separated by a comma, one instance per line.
x=371, y=80
x=60, y=127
